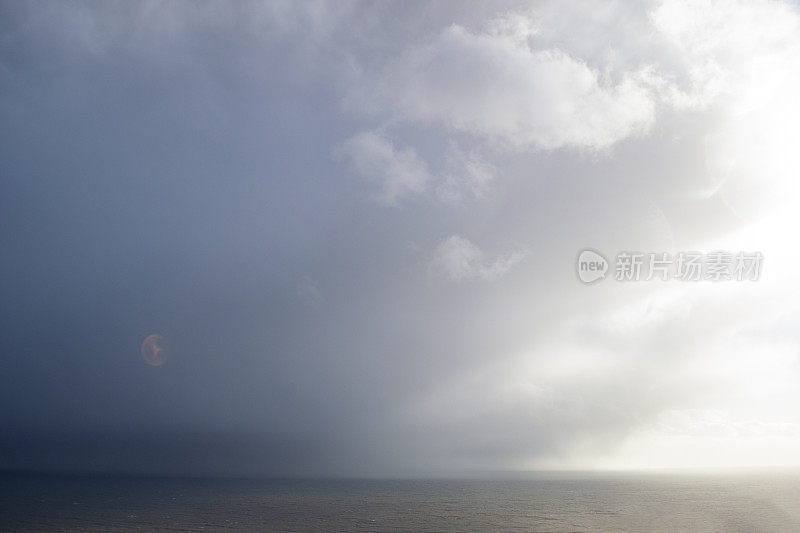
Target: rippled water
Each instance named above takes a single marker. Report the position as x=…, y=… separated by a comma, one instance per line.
x=591, y=503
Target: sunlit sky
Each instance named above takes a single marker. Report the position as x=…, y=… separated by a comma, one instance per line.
x=352, y=228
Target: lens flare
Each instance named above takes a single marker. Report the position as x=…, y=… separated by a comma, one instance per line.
x=154, y=350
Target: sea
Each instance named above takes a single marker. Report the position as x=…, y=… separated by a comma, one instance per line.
x=557, y=502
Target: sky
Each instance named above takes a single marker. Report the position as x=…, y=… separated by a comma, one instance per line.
x=354, y=228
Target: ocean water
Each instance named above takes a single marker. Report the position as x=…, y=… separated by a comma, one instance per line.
x=558, y=503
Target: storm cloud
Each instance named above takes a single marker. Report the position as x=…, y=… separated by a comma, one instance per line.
x=355, y=225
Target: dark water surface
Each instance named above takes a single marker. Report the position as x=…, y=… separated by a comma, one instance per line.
x=558, y=503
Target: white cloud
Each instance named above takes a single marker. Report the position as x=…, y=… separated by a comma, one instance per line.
x=739, y=51
x=466, y=175
x=516, y=27
x=459, y=260
x=402, y=172
x=399, y=172
x=739, y=59
x=722, y=76
x=496, y=86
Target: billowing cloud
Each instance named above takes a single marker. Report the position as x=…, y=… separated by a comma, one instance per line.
x=496, y=86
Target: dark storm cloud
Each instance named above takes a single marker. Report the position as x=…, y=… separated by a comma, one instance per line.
x=153, y=188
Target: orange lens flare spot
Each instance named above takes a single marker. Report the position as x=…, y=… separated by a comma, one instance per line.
x=154, y=350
